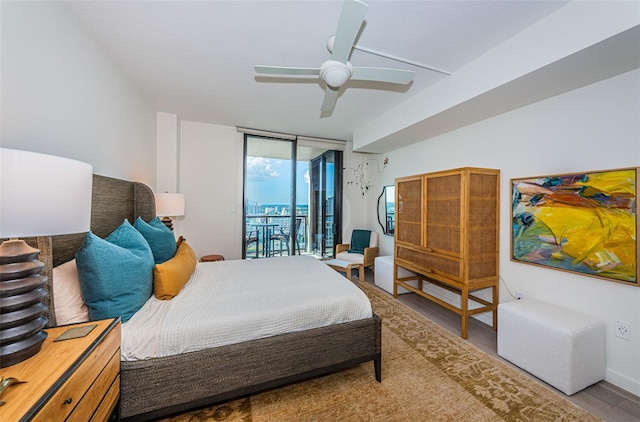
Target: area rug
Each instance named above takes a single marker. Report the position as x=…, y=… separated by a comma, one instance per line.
x=428, y=374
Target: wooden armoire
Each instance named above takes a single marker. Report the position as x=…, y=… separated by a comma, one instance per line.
x=447, y=233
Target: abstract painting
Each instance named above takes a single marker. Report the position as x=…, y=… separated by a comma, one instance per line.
x=582, y=222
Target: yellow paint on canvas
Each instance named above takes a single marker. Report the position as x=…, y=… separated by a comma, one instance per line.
x=622, y=181
x=596, y=237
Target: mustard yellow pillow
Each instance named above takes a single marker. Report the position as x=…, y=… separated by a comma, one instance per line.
x=171, y=276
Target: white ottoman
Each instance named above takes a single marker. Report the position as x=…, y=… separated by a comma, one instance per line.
x=561, y=347
x=383, y=274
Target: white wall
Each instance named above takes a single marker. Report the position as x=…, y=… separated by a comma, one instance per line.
x=355, y=206
x=210, y=176
x=167, y=153
x=592, y=128
x=62, y=95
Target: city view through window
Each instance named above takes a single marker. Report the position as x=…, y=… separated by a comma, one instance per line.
x=289, y=213
x=268, y=207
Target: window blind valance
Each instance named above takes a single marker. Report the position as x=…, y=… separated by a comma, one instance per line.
x=257, y=132
x=333, y=144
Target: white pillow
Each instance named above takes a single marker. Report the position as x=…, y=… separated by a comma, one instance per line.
x=67, y=296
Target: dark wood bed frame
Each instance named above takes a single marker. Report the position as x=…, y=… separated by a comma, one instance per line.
x=159, y=387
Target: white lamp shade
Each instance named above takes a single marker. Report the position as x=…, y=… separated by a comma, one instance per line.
x=43, y=195
x=170, y=204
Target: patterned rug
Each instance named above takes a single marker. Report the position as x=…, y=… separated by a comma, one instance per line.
x=428, y=374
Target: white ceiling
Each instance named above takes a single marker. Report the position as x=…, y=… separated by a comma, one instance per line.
x=195, y=58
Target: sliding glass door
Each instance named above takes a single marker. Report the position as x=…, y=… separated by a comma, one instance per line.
x=326, y=203
x=269, y=196
x=281, y=200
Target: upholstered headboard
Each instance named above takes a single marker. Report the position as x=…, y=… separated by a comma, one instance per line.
x=113, y=201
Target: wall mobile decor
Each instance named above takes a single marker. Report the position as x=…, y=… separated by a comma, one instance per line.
x=359, y=174
x=581, y=222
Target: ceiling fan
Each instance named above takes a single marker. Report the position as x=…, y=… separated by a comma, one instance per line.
x=336, y=71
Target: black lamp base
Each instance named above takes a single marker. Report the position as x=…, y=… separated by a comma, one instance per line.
x=21, y=307
x=167, y=222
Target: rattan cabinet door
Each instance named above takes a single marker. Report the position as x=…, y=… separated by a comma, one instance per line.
x=482, y=225
x=409, y=214
x=443, y=205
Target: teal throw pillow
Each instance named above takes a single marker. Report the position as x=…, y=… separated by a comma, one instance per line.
x=159, y=237
x=116, y=273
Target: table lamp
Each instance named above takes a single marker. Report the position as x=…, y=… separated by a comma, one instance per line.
x=40, y=195
x=169, y=205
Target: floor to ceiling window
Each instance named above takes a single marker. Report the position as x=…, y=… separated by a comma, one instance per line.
x=289, y=207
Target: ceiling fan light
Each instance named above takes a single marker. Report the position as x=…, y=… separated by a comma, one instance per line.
x=335, y=73
x=336, y=77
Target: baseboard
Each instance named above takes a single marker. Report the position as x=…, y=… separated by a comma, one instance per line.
x=622, y=381
x=487, y=318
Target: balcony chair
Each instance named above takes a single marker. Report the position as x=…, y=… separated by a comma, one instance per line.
x=283, y=236
x=358, y=250
x=251, y=237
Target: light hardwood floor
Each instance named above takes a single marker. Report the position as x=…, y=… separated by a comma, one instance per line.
x=605, y=400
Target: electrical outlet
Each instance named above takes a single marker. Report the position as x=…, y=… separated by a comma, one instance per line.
x=519, y=295
x=623, y=330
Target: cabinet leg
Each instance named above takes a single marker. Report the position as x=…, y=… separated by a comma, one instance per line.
x=395, y=280
x=464, y=312
x=495, y=308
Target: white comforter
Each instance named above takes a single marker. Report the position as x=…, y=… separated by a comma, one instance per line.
x=229, y=302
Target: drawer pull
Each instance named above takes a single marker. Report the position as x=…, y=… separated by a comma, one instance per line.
x=6, y=383
x=68, y=401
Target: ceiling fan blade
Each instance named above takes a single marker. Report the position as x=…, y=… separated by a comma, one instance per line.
x=351, y=18
x=277, y=70
x=378, y=74
x=330, y=99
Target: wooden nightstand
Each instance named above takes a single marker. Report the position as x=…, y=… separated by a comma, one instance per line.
x=74, y=380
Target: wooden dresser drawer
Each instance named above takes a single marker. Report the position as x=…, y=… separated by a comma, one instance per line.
x=109, y=402
x=430, y=264
x=83, y=391
x=99, y=389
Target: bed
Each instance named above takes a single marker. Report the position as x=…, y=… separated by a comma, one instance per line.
x=159, y=386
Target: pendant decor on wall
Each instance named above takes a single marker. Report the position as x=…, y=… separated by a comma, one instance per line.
x=358, y=175
x=584, y=223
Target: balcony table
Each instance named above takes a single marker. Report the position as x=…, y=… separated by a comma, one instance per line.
x=267, y=229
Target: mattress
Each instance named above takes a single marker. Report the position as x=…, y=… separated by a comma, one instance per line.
x=233, y=301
